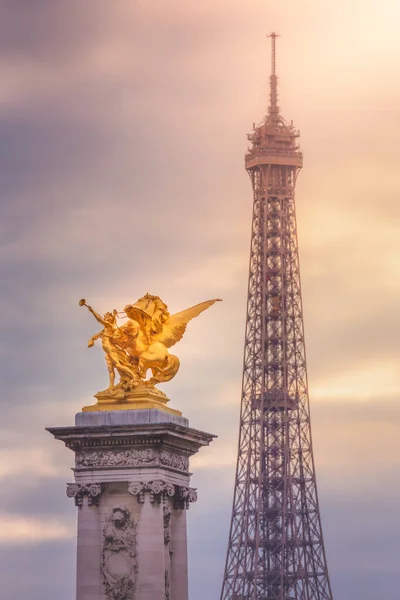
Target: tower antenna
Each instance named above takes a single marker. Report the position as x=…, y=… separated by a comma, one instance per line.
x=273, y=106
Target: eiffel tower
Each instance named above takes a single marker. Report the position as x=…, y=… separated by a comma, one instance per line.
x=276, y=549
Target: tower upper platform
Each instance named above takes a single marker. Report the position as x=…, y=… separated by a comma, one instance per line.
x=274, y=141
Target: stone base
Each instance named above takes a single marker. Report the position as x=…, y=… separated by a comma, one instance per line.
x=128, y=417
x=137, y=399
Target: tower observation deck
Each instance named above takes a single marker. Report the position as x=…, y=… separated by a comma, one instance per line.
x=275, y=549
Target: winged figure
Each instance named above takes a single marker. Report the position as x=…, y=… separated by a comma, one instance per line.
x=141, y=343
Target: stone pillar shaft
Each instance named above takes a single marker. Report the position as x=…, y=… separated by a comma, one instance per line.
x=150, y=540
x=179, y=562
x=88, y=575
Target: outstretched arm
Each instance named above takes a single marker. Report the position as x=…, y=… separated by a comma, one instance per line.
x=97, y=316
x=93, y=339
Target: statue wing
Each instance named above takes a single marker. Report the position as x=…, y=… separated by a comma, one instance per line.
x=175, y=326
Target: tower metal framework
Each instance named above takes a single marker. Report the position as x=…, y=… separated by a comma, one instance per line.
x=276, y=549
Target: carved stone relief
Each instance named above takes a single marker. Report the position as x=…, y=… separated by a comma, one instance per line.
x=175, y=461
x=133, y=457
x=167, y=513
x=79, y=491
x=167, y=578
x=119, y=559
x=183, y=496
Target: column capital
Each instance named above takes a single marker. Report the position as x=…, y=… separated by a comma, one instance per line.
x=78, y=491
x=159, y=489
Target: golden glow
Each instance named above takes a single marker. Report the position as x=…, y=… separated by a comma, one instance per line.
x=16, y=529
x=133, y=400
x=377, y=380
x=139, y=345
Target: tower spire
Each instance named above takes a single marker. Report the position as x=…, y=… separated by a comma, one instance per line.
x=273, y=108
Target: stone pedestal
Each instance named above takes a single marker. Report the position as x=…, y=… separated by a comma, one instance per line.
x=132, y=492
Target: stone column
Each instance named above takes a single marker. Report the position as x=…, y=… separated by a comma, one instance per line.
x=132, y=492
x=150, y=541
x=88, y=575
x=179, y=562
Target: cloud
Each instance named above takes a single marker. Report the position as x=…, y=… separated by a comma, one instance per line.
x=122, y=133
x=31, y=531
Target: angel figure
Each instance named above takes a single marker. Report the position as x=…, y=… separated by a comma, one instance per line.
x=116, y=357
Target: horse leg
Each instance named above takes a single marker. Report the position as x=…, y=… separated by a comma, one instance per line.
x=156, y=355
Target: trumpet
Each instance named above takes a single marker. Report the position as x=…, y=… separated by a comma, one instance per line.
x=82, y=302
x=121, y=315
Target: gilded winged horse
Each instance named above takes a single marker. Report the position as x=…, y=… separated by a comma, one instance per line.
x=151, y=330
x=142, y=342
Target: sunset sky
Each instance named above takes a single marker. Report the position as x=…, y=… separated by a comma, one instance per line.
x=122, y=137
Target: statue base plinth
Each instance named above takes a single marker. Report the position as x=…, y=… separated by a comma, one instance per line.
x=134, y=400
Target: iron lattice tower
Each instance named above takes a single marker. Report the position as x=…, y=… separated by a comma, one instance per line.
x=276, y=549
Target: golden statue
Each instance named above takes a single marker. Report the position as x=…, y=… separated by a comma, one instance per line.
x=137, y=346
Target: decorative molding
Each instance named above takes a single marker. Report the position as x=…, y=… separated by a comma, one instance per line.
x=78, y=491
x=167, y=514
x=180, y=462
x=166, y=578
x=119, y=557
x=137, y=489
x=184, y=496
x=134, y=457
x=159, y=489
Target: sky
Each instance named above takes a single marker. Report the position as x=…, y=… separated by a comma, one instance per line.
x=122, y=138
